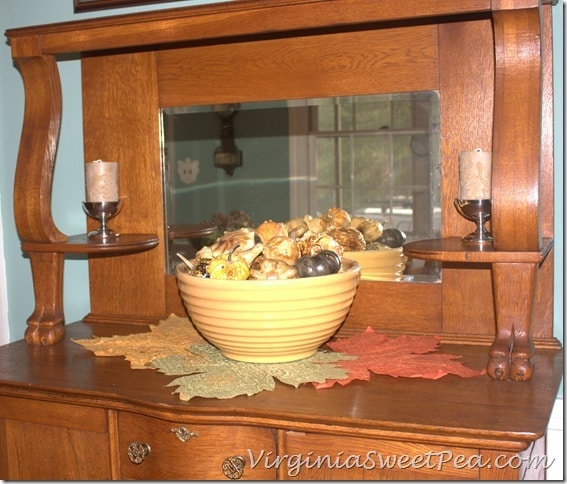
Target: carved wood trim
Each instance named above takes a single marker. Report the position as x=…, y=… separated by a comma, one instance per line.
x=229, y=20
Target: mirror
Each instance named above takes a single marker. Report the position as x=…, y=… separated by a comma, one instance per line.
x=232, y=165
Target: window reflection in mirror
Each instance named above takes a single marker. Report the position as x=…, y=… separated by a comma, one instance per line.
x=233, y=165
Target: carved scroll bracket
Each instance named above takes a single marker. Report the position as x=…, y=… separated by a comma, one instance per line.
x=38, y=146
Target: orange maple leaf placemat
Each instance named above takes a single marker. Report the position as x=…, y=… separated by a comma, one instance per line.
x=406, y=356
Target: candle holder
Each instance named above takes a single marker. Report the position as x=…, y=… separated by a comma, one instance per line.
x=103, y=212
x=478, y=211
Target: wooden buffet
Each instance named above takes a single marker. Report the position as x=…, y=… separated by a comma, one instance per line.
x=65, y=414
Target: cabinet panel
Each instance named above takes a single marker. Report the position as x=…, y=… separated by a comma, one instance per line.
x=200, y=457
x=316, y=457
x=52, y=441
x=46, y=452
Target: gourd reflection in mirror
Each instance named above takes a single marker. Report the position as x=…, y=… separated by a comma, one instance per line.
x=375, y=156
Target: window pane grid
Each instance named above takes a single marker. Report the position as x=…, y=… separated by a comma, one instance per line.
x=373, y=158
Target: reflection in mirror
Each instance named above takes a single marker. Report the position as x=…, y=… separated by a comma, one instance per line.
x=233, y=165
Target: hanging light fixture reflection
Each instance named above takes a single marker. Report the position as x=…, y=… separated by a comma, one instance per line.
x=227, y=156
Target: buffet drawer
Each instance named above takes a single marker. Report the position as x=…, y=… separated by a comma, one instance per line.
x=322, y=457
x=151, y=448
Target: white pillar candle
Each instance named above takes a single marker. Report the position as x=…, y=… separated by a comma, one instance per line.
x=475, y=175
x=101, y=179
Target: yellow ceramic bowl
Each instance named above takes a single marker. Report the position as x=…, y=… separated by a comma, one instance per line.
x=269, y=321
x=380, y=265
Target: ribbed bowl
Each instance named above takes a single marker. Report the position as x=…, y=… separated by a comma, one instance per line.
x=380, y=265
x=269, y=321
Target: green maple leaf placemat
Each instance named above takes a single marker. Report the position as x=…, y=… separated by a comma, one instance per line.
x=214, y=376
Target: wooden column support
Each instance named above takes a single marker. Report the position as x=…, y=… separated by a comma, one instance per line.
x=46, y=324
x=516, y=141
x=516, y=183
x=512, y=352
x=32, y=194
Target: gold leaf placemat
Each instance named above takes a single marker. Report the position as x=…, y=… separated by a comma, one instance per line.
x=172, y=336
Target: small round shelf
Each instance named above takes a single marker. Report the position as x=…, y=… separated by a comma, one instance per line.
x=452, y=249
x=82, y=244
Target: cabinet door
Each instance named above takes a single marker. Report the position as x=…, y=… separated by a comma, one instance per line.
x=152, y=448
x=50, y=441
x=324, y=457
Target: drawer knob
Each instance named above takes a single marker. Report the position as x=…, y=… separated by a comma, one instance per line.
x=183, y=434
x=138, y=451
x=233, y=467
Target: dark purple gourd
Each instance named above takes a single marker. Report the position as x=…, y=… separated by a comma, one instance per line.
x=393, y=238
x=324, y=263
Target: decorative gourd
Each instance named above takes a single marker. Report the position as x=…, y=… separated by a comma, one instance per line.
x=324, y=263
x=229, y=267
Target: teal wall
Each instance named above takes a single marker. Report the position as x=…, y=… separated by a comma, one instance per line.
x=68, y=191
x=559, y=90
x=559, y=103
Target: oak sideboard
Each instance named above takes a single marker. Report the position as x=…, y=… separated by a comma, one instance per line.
x=67, y=414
